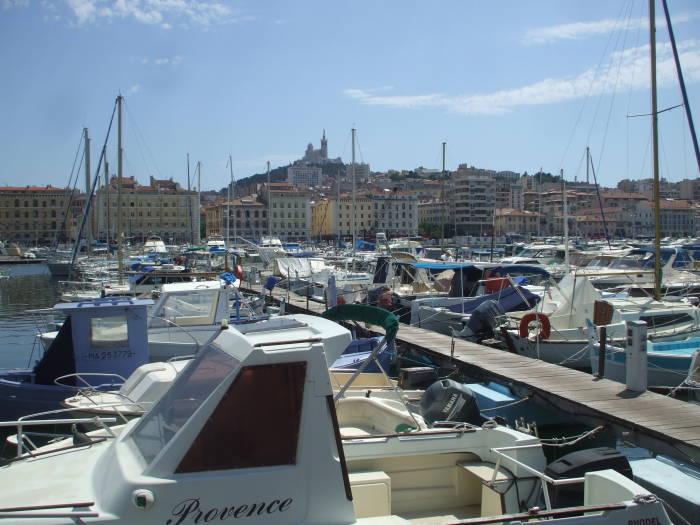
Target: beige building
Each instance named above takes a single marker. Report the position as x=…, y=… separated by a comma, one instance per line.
x=474, y=200
x=510, y=220
x=677, y=218
x=395, y=213
x=162, y=208
x=290, y=211
x=39, y=214
x=330, y=220
x=247, y=219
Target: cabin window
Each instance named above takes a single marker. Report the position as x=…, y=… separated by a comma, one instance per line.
x=665, y=320
x=106, y=332
x=191, y=389
x=278, y=393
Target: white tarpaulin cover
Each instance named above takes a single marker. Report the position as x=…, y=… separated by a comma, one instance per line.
x=293, y=267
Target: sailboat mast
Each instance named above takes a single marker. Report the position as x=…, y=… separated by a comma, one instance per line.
x=354, y=227
x=269, y=205
x=228, y=212
x=655, y=152
x=565, y=216
x=120, y=174
x=442, y=204
x=88, y=189
x=232, y=196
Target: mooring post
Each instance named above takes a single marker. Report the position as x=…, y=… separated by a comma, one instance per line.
x=331, y=292
x=636, y=356
x=601, y=351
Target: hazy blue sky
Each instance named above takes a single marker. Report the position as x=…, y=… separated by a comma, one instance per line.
x=509, y=85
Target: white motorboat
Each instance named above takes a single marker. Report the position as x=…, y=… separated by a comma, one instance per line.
x=154, y=245
x=249, y=431
x=555, y=331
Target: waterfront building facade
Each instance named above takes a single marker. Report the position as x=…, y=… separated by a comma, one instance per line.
x=162, y=208
x=290, y=210
x=395, y=213
x=510, y=221
x=247, y=219
x=39, y=215
x=474, y=200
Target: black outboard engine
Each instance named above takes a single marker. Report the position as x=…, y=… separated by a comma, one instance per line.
x=448, y=400
x=485, y=319
x=575, y=465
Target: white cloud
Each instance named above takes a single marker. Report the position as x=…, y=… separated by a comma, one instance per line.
x=628, y=70
x=136, y=88
x=579, y=30
x=10, y=4
x=164, y=61
x=163, y=13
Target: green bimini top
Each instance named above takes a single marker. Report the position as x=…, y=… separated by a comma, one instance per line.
x=366, y=314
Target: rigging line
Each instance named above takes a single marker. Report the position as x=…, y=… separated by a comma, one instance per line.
x=629, y=92
x=659, y=111
x=142, y=139
x=587, y=97
x=610, y=109
x=620, y=34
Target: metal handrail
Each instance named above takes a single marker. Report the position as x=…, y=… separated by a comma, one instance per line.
x=544, y=478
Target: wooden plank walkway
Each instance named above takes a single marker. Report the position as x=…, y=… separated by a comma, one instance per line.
x=663, y=424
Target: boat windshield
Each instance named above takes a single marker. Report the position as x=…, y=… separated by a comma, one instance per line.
x=191, y=389
x=639, y=261
x=187, y=309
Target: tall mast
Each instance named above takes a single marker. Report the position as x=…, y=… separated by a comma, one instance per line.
x=88, y=190
x=354, y=226
x=228, y=211
x=107, y=196
x=189, y=201
x=539, y=203
x=120, y=174
x=232, y=196
x=655, y=152
x=681, y=82
x=269, y=204
x=199, y=190
x=442, y=204
x=565, y=216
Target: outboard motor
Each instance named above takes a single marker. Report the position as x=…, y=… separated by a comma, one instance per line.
x=485, y=319
x=575, y=465
x=448, y=400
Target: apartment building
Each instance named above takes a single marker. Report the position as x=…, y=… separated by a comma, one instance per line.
x=474, y=200
x=162, y=208
x=290, y=210
x=395, y=213
x=303, y=175
x=513, y=221
x=332, y=218
x=677, y=218
x=39, y=214
x=247, y=218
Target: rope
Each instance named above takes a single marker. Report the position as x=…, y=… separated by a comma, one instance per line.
x=565, y=441
x=519, y=401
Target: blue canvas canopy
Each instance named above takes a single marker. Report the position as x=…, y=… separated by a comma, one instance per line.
x=510, y=299
x=519, y=269
x=365, y=246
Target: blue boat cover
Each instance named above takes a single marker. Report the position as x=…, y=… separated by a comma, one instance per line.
x=519, y=269
x=510, y=299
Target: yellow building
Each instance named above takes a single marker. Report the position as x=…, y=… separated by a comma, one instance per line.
x=37, y=214
x=330, y=220
x=161, y=208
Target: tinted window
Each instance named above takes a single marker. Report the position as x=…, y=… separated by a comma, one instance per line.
x=197, y=382
x=256, y=423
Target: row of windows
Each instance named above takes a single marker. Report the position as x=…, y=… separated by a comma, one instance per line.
x=289, y=215
x=289, y=205
x=35, y=203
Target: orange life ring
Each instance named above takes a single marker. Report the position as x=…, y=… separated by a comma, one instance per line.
x=545, y=325
x=239, y=272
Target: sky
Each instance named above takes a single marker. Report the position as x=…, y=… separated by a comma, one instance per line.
x=510, y=85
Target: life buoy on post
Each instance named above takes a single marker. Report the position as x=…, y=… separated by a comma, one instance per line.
x=545, y=325
x=239, y=272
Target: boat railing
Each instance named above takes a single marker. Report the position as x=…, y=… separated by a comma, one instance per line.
x=80, y=376
x=170, y=323
x=544, y=478
x=24, y=441
x=34, y=511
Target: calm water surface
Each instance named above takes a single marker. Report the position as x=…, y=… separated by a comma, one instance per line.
x=28, y=286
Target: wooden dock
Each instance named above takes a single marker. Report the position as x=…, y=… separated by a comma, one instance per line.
x=654, y=421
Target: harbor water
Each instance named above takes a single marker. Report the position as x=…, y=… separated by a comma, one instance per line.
x=25, y=287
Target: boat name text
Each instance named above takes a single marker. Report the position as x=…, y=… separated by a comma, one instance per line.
x=189, y=510
x=644, y=521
